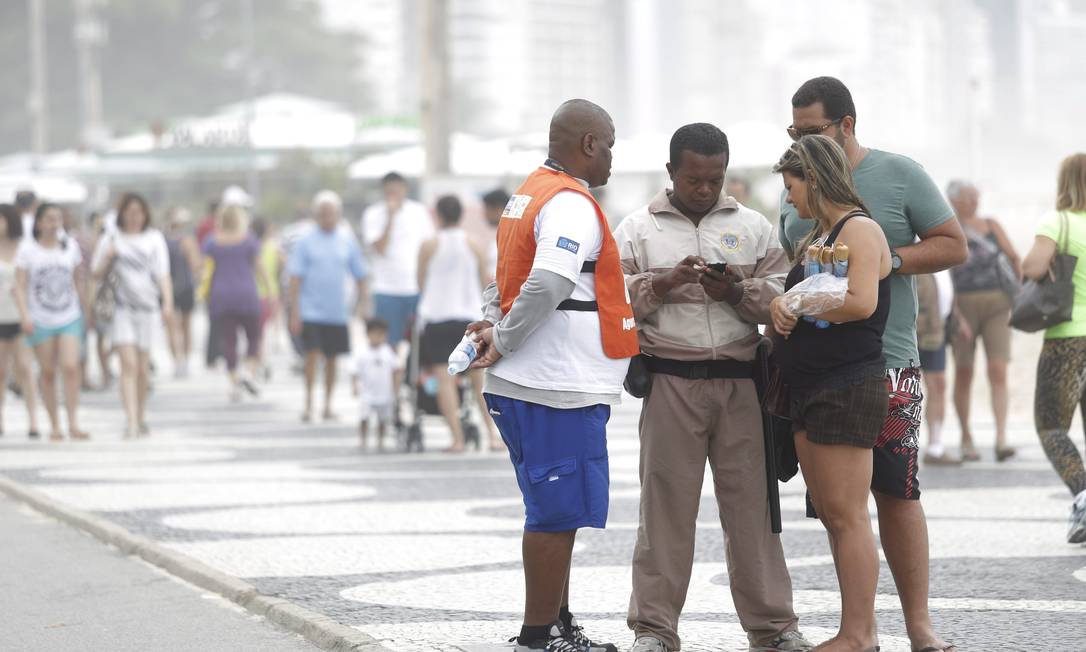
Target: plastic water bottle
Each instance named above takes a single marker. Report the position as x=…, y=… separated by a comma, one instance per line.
x=840, y=261
x=812, y=264
x=826, y=258
x=463, y=355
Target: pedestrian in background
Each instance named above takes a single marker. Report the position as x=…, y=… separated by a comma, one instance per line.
x=102, y=322
x=233, y=300
x=452, y=270
x=493, y=204
x=377, y=372
x=1061, y=369
x=984, y=286
x=52, y=299
x=935, y=316
x=393, y=231
x=136, y=256
x=271, y=262
x=184, y=262
x=320, y=264
x=11, y=233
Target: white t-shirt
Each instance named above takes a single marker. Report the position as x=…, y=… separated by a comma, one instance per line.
x=142, y=259
x=565, y=353
x=374, y=368
x=53, y=300
x=395, y=272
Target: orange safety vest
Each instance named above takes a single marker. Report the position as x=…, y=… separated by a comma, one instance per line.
x=516, y=253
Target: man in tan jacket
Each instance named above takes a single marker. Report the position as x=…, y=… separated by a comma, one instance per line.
x=698, y=329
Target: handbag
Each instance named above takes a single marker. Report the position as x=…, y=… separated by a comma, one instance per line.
x=105, y=298
x=782, y=460
x=1006, y=276
x=1051, y=300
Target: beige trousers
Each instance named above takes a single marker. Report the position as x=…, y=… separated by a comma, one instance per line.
x=683, y=423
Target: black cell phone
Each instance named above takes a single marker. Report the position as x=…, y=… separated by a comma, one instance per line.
x=720, y=267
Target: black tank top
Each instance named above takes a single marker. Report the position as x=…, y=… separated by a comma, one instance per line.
x=840, y=353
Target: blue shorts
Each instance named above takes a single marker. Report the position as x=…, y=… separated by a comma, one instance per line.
x=934, y=360
x=398, y=311
x=560, y=457
x=42, y=333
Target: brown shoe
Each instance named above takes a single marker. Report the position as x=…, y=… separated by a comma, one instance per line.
x=1004, y=453
x=946, y=459
x=969, y=453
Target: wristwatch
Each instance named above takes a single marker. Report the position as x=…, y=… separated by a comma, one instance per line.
x=895, y=262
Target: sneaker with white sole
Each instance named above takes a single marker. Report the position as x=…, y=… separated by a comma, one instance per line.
x=648, y=644
x=1076, y=524
x=792, y=641
x=557, y=642
x=575, y=634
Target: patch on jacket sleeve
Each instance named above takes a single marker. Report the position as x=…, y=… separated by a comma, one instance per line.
x=569, y=245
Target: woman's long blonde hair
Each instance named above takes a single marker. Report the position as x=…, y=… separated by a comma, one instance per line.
x=822, y=163
x=1071, y=187
x=234, y=219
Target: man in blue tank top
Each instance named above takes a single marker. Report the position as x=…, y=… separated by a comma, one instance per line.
x=924, y=237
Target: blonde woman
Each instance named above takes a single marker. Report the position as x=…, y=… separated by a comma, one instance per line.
x=11, y=232
x=836, y=376
x=232, y=298
x=1062, y=365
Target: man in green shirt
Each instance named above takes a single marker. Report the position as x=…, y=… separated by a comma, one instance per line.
x=924, y=237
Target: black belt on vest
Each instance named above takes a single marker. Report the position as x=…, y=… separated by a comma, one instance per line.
x=700, y=369
x=589, y=267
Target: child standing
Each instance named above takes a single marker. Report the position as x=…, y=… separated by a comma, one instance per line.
x=376, y=376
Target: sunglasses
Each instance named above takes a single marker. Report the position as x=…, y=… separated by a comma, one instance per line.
x=796, y=134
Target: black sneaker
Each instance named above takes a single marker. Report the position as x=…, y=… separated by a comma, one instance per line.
x=557, y=642
x=575, y=634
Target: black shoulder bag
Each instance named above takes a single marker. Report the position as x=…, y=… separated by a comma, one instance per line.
x=1050, y=301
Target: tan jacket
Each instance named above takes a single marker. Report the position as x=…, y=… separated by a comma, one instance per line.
x=687, y=324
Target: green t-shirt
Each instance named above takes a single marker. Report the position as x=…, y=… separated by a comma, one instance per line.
x=905, y=202
x=1076, y=246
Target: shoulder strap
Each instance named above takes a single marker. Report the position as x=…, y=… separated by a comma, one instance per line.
x=840, y=225
x=1065, y=233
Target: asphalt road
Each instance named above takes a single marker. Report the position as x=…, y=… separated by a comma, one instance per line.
x=63, y=590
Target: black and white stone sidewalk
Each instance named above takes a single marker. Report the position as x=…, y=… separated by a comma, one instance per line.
x=422, y=551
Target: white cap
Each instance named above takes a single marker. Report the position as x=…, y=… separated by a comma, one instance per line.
x=327, y=197
x=235, y=196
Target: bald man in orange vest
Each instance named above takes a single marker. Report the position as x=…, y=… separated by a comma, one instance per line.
x=556, y=340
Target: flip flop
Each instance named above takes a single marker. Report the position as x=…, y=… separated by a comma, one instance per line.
x=935, y=648
x=79, y=434
x=56, y=436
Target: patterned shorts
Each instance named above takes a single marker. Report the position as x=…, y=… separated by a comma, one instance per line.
x=897, y=450
x=852, y=414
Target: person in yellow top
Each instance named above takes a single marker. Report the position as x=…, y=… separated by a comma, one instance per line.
x=1060, y=378
x=272, y=261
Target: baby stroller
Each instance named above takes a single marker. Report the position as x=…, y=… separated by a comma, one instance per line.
x=422, y=392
